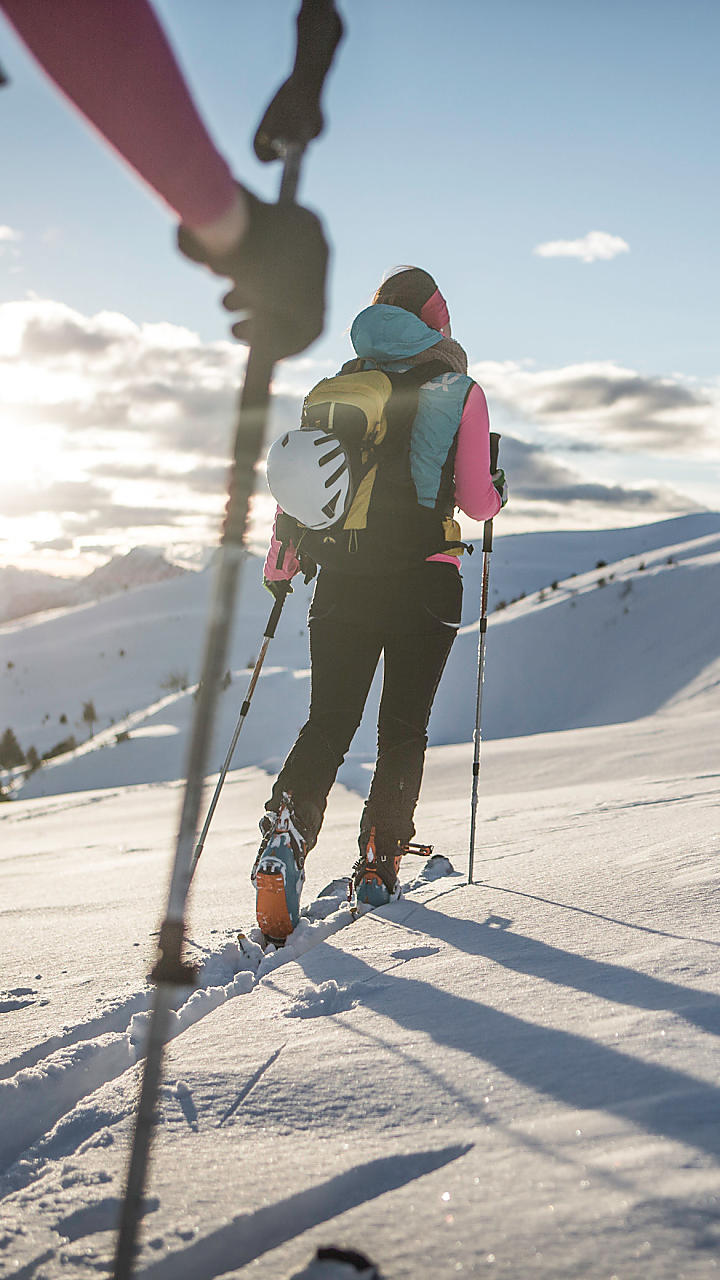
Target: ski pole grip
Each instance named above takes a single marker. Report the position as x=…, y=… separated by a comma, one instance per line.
x=494, y=450
x=294, y=116
x=276, y=611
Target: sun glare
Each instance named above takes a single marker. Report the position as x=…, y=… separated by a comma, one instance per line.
x=30, y=454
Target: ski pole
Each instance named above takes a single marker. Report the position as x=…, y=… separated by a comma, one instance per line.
x=170, y=972
x=482, y=632
x=268, y=635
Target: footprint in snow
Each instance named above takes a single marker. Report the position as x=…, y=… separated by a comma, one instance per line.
x=18, y=998
x=435, y=868
x=414, y=953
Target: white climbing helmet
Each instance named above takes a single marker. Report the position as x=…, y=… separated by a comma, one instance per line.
x=308, y=473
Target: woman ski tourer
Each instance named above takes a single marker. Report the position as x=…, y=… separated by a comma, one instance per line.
x=389, y=580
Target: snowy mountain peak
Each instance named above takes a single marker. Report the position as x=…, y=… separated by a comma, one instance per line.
x=137, y=568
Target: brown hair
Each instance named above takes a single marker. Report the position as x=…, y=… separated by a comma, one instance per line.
x=409, y=288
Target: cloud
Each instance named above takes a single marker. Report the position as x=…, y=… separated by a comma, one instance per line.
x=114, y=427
x=535, y=476
x=61, y=497
x=9, y=240
x=603, y=404
x=114, y=517
x=596, y=246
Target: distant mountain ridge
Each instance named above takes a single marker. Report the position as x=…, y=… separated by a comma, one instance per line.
x=27, y=591
x=585, y=630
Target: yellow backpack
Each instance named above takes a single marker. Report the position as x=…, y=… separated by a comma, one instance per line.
x=353, y=407
x=372, y=412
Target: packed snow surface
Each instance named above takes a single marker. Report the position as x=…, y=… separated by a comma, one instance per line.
x=512, y=1078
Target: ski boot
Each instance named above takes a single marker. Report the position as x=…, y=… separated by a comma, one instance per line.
x=375, y=875
x=278, y=873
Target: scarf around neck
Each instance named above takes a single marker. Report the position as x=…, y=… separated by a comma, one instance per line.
x=446, y=349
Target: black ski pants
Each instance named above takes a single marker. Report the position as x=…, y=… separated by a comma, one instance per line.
x=411, y=619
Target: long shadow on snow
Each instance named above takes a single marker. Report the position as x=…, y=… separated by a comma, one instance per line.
x=594, y=915
x=576, y=1071
x=568, y=969
x=250, y=1235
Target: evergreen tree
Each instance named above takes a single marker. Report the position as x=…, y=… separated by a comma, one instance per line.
x=11, y=753
x=89, y=715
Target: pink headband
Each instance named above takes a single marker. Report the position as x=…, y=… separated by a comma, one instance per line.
x=435, y=312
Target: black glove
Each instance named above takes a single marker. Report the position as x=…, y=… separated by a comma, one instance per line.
x=294, y=114
x=278, y=270
x=308, y=567
x=500, y=483
x=279, y=589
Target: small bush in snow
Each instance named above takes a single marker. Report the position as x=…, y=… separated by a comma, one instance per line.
x=67, y=744
x=176, y=682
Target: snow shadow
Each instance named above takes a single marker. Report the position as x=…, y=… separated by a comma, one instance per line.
x=597, y=915
x=250, y=1235
x=572, y=1069
x=562, y=968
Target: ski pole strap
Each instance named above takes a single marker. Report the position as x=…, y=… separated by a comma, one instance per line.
x=276, y=611
x=295, y=114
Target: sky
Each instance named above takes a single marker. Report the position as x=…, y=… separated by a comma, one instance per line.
x=553, y=165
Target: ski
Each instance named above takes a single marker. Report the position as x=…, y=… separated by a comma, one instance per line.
x=336, y=898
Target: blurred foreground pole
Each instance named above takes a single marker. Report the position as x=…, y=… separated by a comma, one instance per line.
x=291, y=120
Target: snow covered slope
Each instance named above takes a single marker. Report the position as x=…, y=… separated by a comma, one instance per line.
x=608, y=645
x=517, y=1078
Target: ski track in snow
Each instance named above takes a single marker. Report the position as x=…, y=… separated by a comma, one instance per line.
x=44, y=1092
x=69, y=1096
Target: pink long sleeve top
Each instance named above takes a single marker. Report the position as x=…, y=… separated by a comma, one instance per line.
x=112, y=59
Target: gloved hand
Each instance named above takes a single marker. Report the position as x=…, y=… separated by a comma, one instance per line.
x=278, y=269
x=294, y=114
x=308, y=567
x=279, y=588
x=498, y=479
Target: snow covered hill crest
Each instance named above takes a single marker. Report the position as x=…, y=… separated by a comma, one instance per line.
x=586, y=629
